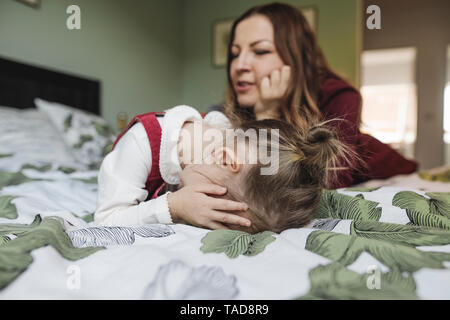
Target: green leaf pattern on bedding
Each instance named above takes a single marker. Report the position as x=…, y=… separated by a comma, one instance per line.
x=346, y=249
x=234, y=243
x=83, y=139
x=13, y=178
x=334, y=281
x=431, y=212
x=4, y=239
x=102, y=129
x=15, y=254
x=93, y=180
x=86, y=218
x=393, y=245
x=420, y=218
x=8, y=209
x=362, y=189
x=16, y=178
x=408, y=235
x=440, y=203
x=42, y=168
x=396, y=246
x=340, y=206
x=87, y=134
x=66, y=170
x=107, y=148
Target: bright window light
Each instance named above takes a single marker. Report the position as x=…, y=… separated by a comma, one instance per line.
x=447, y=113
x=389, y=97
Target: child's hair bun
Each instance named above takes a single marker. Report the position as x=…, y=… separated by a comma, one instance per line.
x=325, y=154
x=320, y=135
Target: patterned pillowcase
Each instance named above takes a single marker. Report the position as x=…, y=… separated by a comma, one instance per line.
x=88, y=136
x=30, y=135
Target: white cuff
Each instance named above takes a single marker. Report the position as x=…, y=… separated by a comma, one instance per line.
x=159, y=210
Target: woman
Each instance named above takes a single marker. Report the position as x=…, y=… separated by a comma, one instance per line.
x=280, y=72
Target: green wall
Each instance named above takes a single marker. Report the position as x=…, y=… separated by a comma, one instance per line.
x=153, y=54
x=339, y=35
x=133, y=47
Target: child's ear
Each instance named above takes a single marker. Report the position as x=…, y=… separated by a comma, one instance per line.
x=227, y=159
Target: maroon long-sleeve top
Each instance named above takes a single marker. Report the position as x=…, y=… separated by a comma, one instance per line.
x=338, y=99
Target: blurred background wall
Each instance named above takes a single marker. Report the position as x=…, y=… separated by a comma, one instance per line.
x=134, y=48
x=153, y=54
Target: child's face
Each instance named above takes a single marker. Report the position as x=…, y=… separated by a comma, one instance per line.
x=191, y=175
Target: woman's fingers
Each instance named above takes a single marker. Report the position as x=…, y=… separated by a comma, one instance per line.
x=285, y=78
x=276, y=86
x=265, y=88
x=230, y=218
x=216, y=225
x=227, y=205
x=275, y=79
x=210, y=188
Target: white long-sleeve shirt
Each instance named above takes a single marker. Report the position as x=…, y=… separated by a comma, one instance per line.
x=124, y=171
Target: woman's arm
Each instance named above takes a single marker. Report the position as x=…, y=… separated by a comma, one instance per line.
x=122, y=178
x=377, y=160
x=381, y=160
x=345, y=107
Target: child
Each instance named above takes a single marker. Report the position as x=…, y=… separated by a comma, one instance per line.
x=223, y=189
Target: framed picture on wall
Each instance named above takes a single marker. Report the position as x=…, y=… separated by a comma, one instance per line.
x=310, y=14
x=32, y=3
x=220, y=36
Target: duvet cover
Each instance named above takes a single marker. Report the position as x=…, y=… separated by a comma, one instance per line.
x=386, y=242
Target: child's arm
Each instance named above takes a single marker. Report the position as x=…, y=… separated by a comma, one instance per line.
x=122, y=178
x=122, y=194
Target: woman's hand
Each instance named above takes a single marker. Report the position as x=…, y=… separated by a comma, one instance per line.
x=271, y=92
x=192, y=204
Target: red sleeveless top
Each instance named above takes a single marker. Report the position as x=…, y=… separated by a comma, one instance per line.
x=154, y=183
x=150, y=122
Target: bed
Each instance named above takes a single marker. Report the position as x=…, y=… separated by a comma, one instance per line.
x=380, y=240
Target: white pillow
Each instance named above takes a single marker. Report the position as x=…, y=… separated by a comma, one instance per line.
x=29, y=134
x=88, y=136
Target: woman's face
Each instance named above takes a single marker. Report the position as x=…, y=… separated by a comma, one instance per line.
x=254, y=57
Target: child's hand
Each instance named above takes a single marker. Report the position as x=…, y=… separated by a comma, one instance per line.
x=271, y=91
x=191, y=204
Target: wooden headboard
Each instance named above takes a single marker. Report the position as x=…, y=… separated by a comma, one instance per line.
x=21, y=83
